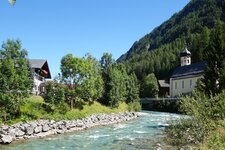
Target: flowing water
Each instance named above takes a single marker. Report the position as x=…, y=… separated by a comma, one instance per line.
x=136, y=134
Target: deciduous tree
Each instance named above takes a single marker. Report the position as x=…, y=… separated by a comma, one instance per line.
x=15, y=77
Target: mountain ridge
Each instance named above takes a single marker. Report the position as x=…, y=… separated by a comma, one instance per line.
x=201, y=12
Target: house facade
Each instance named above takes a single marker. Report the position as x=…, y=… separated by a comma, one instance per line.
x=184, y=78
x=41, y=72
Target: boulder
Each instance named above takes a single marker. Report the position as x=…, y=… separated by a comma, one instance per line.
x=19, y=133
x=5, y=127
x=33, y=124
x=12, y=132
x=38, y=129
x=45, y=128
x=23, y=126
x=29, y=130
x=6, y=139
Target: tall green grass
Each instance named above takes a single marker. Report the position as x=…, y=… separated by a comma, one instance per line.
x=33, y=109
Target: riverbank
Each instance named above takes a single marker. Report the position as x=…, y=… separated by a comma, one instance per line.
x=42, y=128
x=136, y=134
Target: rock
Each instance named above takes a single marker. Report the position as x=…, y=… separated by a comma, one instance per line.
x=24, y=126
x=79, y=124
x=41, y=128
x=6, y=139
x=29, y=130
x=12, y=132
x=33, y=124
x=19, y=133
x=60, y=131
x=5, y=127
x=38, y=129
x=45, y=128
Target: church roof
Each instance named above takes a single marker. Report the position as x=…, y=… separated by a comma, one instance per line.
x=185, y=52
x=189, y=70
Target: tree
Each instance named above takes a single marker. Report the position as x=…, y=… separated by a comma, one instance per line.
x=16, y=77
x=150, y=86
x=83, y=77
x=132, y=89
x=92, y=86
x=106, y=60
x=116, y=86
x=199, y=44
x=215, y=56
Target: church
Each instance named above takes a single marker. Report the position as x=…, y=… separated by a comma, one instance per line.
x=184, y=78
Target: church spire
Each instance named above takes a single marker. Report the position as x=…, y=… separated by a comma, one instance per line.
x=185, y=57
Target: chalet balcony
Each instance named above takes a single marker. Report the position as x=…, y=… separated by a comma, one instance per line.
x=39, y=77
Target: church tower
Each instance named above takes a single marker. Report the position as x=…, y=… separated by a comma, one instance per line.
x=185, y=57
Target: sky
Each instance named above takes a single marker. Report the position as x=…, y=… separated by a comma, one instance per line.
x=50, y=29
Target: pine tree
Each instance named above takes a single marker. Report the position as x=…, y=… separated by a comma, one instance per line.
x=215, y=57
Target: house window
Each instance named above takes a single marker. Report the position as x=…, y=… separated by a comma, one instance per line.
x=175, y=85
x=190, y=83
x=188, y=61
x=182, y=84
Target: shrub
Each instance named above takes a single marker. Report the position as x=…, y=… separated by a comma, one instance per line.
x=216, y=139
x=135, y=106
x=206, y=114
x=62, y=108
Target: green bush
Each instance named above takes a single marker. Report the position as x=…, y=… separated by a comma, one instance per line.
x=135, y=106
x=215, y=140
x=32, y=108
x=62, y=108
x=206, y=114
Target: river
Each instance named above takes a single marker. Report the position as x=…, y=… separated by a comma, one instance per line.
x=137, y=134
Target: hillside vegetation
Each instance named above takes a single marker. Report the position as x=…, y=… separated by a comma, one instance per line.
x=158, y=51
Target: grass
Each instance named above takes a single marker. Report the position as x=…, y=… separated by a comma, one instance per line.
x=86, y=111
x=33, y=109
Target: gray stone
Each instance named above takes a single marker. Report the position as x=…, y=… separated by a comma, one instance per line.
x=33, y=124
x=24, y=126
x=51, y=122
x=79, y=124
x=42, y=128
x=19, y=133
x=6, y=139
x=38, y=129
x=29, y=130
x=5, y=127
x=60, y=131
x=45, y=128
x=12, y=132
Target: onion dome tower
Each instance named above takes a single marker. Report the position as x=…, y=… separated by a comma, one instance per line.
x=185, y=57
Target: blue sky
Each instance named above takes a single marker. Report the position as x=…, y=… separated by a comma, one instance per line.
x=50, y=29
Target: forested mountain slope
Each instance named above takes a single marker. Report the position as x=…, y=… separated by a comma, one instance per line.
x=158, y=51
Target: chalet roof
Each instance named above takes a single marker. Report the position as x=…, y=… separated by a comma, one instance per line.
x=189, y=70
x=37, y=63
x=162, y=83
x=40, y=64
